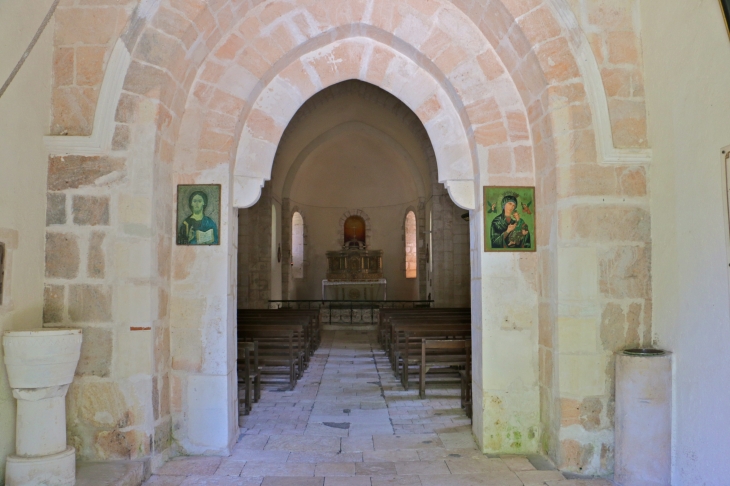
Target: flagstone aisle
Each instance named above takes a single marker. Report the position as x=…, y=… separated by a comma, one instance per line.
x=350, y=423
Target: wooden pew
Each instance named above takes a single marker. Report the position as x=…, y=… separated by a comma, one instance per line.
x=385, y=330
x=298, y=323
x=249, y=377
x=466, y=394
x=415, y=323
x=310, y=318
x=279, y=352
x=442, y=354
x=313, y=314
x=386, y=314
x=410, y=341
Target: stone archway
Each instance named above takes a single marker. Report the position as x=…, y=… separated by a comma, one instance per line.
x=469, y=130
x=204, y=93
x=393, y=132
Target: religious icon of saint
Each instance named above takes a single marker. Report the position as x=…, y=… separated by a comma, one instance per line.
x=510, y=230
x=198, y=229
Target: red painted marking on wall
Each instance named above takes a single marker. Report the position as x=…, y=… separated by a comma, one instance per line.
x=140, y=328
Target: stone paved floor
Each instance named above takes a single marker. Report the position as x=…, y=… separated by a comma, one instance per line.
x=350, y=423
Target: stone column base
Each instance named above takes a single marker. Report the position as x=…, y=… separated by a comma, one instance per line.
x=54, y=470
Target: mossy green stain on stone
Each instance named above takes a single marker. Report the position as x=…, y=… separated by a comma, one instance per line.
x=516, y=437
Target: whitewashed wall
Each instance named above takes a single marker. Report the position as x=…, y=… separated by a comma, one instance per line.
x=687, y=57
x=24, y=119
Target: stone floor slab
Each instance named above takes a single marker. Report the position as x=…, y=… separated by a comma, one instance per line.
x=538, y=478
x=321, y=429
x=230, y=467
x=435, y=454
x=347, y=481
x=509, y=479
x=580, y=482
x=375, y=469
x=259, y=456
x=421, y=468
x=165, y=481
x=413, y=441
x=396, y=481
x=391, y=455
x=273, y=469
x=299, y=443
x=517, y=463
x=458, y=440
x=477, y=466
x=188, y=466
x=335, y=469
x=252, y=442
x=348, y=422
x=317, y=457
x=357, y=444
x=220, y=481
x=292, y=481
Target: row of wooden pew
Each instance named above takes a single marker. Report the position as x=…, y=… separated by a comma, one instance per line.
x=274, y=347
x=430, y=346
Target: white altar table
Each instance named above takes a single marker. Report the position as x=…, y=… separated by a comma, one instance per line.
x=354, y=289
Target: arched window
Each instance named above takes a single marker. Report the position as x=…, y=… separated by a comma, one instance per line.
x=354, y=230
x=411, y=263
x=297, y=245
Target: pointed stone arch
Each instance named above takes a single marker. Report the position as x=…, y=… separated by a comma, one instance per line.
x=190, y=105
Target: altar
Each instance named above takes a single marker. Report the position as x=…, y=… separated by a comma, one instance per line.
x=354, y=273
x=354, y=290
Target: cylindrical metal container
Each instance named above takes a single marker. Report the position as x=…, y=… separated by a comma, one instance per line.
x=643, y=418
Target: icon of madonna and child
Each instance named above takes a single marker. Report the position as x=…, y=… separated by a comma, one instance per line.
x=198, y=214
x=509, y=219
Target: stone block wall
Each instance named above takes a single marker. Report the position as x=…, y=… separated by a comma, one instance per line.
x=108, y=246
x=604, y=307
x=244, y=236
x=198, y=73
x=613, y=29
x=450, y=253
x=254, y=254
x=107, y=260
x=83, y=37
x=604, y=237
